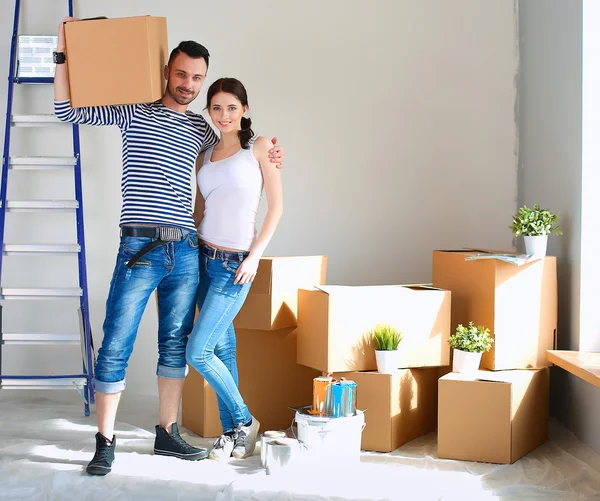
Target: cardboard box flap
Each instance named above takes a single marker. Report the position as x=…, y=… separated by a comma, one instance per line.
x=470, y=250
x=358, y=289
x=507, y=377
x=422, y=287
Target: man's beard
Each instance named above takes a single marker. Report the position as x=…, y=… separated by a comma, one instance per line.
x=179, y=99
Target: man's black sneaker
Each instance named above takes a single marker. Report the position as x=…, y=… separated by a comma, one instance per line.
x=172, y=444
x=101, y=463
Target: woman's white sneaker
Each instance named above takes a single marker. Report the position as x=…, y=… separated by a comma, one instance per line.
x=245, y=439
x=222, y=448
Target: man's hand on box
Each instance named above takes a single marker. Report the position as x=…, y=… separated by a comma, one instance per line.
x=60, y=46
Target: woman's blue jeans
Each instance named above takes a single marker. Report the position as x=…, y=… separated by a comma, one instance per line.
x=211, y=349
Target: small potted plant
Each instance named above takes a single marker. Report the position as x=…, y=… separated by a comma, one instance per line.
x=535, y=225
x=469, y=343
x=387, y=338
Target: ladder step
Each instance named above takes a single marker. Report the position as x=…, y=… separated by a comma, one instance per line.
x=15, y=249
x=34, y=80
x=40, y=293
x=20, y=339
x=41, y=163
x=35, y=121
x=41, y=205
x=12, y=383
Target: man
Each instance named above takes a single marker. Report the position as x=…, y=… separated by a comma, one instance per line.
x=159, y=245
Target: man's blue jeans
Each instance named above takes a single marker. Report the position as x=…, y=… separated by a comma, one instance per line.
x=211, y=348
x=171, y=269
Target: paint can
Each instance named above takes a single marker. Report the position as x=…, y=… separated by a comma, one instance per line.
x=342, y=399
x=266, y=437
x=321, y=386
x=281, y=455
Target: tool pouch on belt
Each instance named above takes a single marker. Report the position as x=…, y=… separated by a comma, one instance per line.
x=166, y=234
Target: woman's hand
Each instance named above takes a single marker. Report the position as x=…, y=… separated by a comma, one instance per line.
x=247, y=271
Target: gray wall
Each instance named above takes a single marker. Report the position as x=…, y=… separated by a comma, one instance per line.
x=397, y=118
x=550, y=103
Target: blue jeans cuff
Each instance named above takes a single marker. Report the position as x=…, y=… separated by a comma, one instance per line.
x=172, y=372
x=109, y=388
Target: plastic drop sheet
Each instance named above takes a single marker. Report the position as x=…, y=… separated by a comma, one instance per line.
x=45, y=443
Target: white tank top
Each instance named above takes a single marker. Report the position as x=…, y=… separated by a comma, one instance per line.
x=231, y=189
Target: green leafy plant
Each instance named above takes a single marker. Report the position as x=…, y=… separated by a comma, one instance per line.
x=474, y=339
x=386, y=337
x=535, y=222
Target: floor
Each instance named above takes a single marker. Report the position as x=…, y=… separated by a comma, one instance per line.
x=46, y=441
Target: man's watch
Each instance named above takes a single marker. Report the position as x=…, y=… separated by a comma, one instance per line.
x=59, y=57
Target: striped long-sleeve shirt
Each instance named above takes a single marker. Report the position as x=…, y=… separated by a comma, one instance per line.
x=160, y=147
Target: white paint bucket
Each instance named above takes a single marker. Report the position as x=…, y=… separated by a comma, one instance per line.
x=331, y=439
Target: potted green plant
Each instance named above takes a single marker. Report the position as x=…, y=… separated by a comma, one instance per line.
x=387, y=339
x=535, y=224
x=469, y=343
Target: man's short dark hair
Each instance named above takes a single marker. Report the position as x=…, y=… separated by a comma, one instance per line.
x=191, y=49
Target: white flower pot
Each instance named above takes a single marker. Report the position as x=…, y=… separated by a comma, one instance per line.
x=465, y=362
x=387, y=361
x=536, y=245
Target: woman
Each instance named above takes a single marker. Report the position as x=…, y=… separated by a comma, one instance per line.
x=230, y=176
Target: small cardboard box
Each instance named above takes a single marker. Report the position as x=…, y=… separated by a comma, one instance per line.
x=518, y=304
x=399, y=407
x=116, y=61
x=493, y=417
x=270, y=382
x=272, y=302
x=334, y=325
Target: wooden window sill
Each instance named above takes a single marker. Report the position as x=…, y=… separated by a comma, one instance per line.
x=581, y=364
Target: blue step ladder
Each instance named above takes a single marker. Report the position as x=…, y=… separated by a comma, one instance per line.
x=82, y=381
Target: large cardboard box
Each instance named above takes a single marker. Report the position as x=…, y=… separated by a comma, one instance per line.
x=270, y=382
x=494, y=417
x=116, y=61
x=518, y=304
x=335, y=324
x=199, y=410
x=398, y=407
x=272, y=302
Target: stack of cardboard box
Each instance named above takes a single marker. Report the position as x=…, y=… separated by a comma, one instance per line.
x=293, y=328
x=501, y=413
x=270, y=379
x=334, y=326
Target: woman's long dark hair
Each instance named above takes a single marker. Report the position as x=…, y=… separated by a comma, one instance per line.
x=235, y=87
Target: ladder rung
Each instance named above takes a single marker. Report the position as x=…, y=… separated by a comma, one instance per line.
x=34, y=80
x=41, y=293
x=35, y=120
x=62, y=339
x=14, y=249
x=41, y=163
x=8, y=383
x=39, y=205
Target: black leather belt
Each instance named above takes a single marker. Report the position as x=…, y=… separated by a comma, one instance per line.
x=163, y=235
x=223, y=255
x=138, y=231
